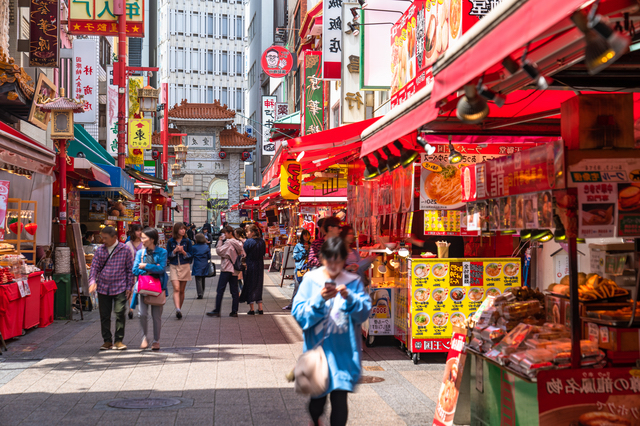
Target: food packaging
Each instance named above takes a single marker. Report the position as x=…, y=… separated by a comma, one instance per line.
x=520, y=310
x=514, y=339
x=443, y=249
x=493, y=334
x=536, y=343
x=535, y=356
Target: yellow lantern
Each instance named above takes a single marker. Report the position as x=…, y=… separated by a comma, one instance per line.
x=290, y=176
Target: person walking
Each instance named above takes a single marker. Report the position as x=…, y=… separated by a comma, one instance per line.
x=190, y=234
x=201, y=253
x=328, y=227
x=179, y=253
x=228, y=248
x=134, y=243
x=207, y=236
x=300, y=255
x=242, y=237
x=151, y=260
x=112, y=277
x=330, y=307
x=255, y=248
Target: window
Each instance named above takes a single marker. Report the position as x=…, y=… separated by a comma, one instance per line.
x=239, y=99
x=195, y=60
x=239, y=63
x=225, y=26
x=252, y=29
x=225, y=62
x=180, y=22
x=210, y=61
x=336, y=115
x=179, y=93
x=180, y=59
x=210, y=95
x=252, y=75
x=210, y=25
x=105, y=53
x=186, y=210
x=195, y=23
x=239, y=27
x=224, y=98
x=195, y=95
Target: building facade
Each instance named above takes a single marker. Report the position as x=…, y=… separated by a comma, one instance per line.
x=201, y=52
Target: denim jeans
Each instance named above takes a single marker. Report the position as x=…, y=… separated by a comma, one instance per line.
x=117, y=303
x=232, y=280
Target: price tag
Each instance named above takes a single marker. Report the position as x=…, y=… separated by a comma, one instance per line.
x=604, y=334
x=593, y=332
x=27, y=289
x=23, y=293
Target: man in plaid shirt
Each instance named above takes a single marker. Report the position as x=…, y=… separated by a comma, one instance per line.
x=112, y=277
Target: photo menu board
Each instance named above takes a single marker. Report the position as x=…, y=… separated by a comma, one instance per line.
x=445, y=292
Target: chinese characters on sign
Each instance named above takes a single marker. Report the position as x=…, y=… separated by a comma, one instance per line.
x=277, y=61
x=268, y=117
x=480, y=8
x=282, y=110
x=112, y=114
x=313, y=95
x=332, y=36
x=140, y=133
x=352, y=108
x=85, y=79
x=43, y=34
x=96, y=17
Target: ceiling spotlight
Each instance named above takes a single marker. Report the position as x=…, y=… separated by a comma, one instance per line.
x=490, y=95
x=382, y=163
x=581, y=240
x=472, y=109
x=428, y=148
x=508, y=232
x=510, y=65
x=454, y=156
x=393, y=161
x=542, y=235
x=371, y=170
x=525, y=234
x=354, y=12
x=80, y=185
x=363, y=4
x=531, y=68
x=407, y=156
x=353, y=28
x=560, y=233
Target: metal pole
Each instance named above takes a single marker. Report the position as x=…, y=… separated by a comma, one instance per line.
x=62, y=189
x=122, y=82
x=164, y=136
x=574, y=303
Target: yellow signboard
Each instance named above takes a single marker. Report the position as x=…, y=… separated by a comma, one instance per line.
x=445, y=292
x=290, y=175
x=139, y=133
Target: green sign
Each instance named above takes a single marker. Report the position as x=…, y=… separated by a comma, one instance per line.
x=313, y=96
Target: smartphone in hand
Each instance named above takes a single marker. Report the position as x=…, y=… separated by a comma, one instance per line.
x=330, y=285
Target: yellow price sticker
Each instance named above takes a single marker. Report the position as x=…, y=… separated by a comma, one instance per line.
x=432, y=167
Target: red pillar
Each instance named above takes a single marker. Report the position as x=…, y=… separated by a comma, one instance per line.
x=164, y=136
x=122, y=80
x=62, y=189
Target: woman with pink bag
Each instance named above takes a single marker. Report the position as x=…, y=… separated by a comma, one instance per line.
x=150, y=266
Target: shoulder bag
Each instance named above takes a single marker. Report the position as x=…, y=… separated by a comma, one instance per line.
x=311, y=373
x=149, y=285
x=237, y=264
x=211, y=272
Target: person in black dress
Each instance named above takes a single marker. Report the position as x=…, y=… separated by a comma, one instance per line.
x=255, y=249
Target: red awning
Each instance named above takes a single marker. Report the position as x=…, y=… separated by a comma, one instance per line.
x=309, y=20
x=19, y=150
x=85, y=169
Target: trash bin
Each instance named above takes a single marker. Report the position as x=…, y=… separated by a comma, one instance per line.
x=11, y=311
x=48, y=290
x=62, y=299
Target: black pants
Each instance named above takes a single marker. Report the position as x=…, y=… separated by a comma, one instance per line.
x=339, y=408
x=200, y=285
x=118, y=303
x=232, y=280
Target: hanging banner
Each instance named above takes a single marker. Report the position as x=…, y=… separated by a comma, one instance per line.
x=451, y=382
x=112, y=114
x=140, y=133
x=94, y=18
x=277, y=61
x=85, y=65
x=352, y=105
x=44, y=27
x=332, y=39
x=313, y=94
x=290, y=175
x=4, y=197
x=268, y=117
x=134, y=83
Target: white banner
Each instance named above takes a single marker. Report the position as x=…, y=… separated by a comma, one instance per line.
x=85, y=79
x=268, y=117
x=332, y=25
x=352, y=104
x=112, y=114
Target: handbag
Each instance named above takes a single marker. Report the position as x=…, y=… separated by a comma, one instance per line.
x=237, y=264
x=149, y=284
x=211, y=272
x=311, y=373
x=159, y=300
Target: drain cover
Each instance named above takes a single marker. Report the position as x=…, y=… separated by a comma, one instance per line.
x=373, y=368
x=370, y=379
x=144, y=403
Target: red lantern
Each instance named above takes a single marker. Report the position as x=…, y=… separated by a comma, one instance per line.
x=246, y=155
x=222, y=155
x=158, y=199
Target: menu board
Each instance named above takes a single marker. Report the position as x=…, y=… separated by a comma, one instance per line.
x=442, y=222
x=445, y=292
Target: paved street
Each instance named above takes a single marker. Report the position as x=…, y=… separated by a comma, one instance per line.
x=222, y=371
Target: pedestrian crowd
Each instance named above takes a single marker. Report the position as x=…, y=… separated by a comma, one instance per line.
x=329, y=302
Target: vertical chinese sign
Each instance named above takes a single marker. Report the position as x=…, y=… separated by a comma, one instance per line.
x=313, y=94
x=282, y=110
x=140, y=133
x=332, y=39
x=112, y=114
x=85, y=76
x=43, y=35
x=136, y=155
x=353, y=101
x=96, y=17
x=268, y=117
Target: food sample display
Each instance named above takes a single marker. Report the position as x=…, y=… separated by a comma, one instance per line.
x=590, y=288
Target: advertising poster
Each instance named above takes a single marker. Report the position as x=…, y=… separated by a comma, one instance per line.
x=442, y=222
x=97, y=210
x=4, y=197
x=381, y=317
x=446, y=291
x=276, y=62
x=589, y=396
x=450, y=388
x=597, y=209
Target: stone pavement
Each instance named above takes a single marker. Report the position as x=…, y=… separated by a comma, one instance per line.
x=222, y=371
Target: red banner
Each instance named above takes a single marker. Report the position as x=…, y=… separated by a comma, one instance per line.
x=43, y=34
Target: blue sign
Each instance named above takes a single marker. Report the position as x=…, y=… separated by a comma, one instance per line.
x=150, y=170
x=120, y=180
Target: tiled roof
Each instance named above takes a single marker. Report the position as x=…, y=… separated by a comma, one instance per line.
x=61, y=104
x=10, y=73
x=173, y=140
x=213, y=111
x=232, y=138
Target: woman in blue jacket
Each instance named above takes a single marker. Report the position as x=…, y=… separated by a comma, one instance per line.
x=179, y=252
x=300, y=255
x=150, y=260
x=330, y=307
x=201, y=253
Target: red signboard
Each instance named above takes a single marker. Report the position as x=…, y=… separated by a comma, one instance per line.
x=589, y=396
x=98, y=17
x=534, y=170
x=43, y=34
x=4, y=197
x=277, y=61
x=450, y=388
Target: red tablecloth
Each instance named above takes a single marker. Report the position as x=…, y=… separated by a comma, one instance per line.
x=32, y=302
x=11, y=311
x=46, y=302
